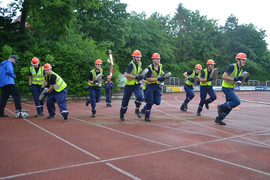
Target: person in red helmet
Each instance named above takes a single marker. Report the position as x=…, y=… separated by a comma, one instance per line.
x=206, y=87
x=153, y=79
x=57, y=92
x=94, y=87
x=36, y=79
x=133, y=78
x=230, y=77
x=190, y=75
x=108, y=85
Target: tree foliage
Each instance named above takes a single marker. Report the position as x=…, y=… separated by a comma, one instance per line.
x=72, y=34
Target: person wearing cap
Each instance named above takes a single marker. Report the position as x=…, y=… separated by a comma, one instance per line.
x=36, y=79
x=108, y=85
x=154, y=77
x=57, y=92
x=230, y=78
x=94, y=88
x=190, y=75
x=8, y=86
x=133, y=78
x=206, y=87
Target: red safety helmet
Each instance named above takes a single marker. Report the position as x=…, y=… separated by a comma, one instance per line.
x=137, y=53
x=98, y=61
x=47, y=66
x=109, y=77
x=210, y=61
x=155, y=56
x=35, y=61
x=241, y=56
x=198, y=66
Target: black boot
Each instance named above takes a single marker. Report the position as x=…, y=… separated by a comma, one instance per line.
x=122, y=117
x=147, y=119
x=93, y=113
x=206, y=105
x=137, y=111
x=199, y=113
x=220, y=110
x=219, y=121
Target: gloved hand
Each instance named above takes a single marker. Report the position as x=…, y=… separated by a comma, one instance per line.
x=238, y=78
x=30, y=88
x=191, y=80
x=139, y=77
x=95, y=82
x=210, y=79
x=41, y=89
x=161, y=79
x=45, y=94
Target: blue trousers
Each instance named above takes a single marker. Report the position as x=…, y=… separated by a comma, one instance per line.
x=108, y=96
x=152, y=96
x=36, y=93
x=204, y=90
x=129, y=89
x=60, y=98
x=189, y=93
x=94, y=93
x=232, y=101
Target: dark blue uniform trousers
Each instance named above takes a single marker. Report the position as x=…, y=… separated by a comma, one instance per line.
x=189, y=93
x=108, y=96
x=8, y=90
x=129, y=89
x=60, y=98
x=152, y=96
x=94, y=93
x=36, y=92
x=204, y=90
x=232, y=101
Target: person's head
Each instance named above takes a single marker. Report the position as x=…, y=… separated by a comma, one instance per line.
x=210, y=64
x=198, y=68
x=35, y=61
x=241, y=59
x=98, y=64
x=109, y=77
x=47, y=68
x=13, y=59
x=137, y=55
x=156, y=58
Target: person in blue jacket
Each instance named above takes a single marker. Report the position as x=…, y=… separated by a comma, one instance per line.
x=8, y=86
x=108, y=85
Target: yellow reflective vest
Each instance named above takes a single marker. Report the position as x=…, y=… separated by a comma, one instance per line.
x=192, y=76
x=231, y=84
x=154, y=73
x=134, y=72
x=208, y=83
x=37, y=77
x=94, y=76
x=60, y=83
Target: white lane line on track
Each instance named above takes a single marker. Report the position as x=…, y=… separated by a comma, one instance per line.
x=69, y=143
x=131, y=156
x=205, y=143
x=257, y=102
x=211, y=127
x=124, y=172
x=226, y=162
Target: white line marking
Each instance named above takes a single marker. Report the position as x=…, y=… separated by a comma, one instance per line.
x=124, y=172
x=227, y=162
x=69, y=143
x=257, y=102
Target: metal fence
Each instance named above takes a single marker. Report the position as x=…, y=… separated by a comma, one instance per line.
x=175, y=81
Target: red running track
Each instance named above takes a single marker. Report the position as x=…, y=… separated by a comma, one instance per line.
x=175, y=145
